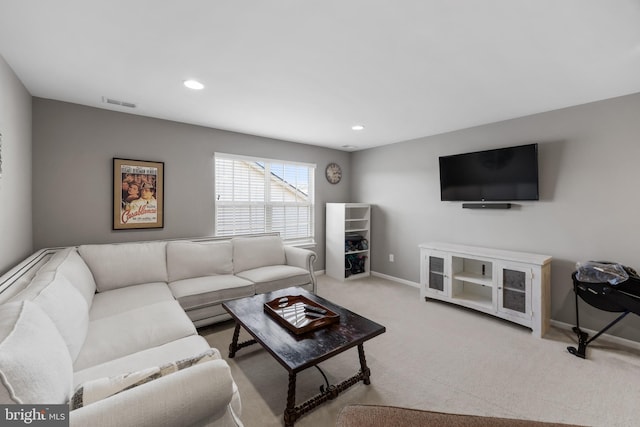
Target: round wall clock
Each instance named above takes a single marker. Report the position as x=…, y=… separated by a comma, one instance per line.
x=333, y=173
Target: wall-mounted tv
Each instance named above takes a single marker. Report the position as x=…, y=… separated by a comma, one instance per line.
x=504, y=174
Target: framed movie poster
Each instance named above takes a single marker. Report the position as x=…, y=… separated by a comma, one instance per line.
x=138, y=194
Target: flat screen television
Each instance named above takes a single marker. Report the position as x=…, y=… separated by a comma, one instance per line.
x=503, y=174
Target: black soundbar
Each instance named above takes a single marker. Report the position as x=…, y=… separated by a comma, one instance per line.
x=486, y=205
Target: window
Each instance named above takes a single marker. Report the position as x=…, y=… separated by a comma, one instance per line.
x=262, y=195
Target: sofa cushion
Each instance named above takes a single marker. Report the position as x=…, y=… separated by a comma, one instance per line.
x=186, y=260
x=35, y=365
x=174, y=350
x=255, y=252
x=64, y=305
x=271, y=278
x=125, y=264
x=133, y=330
x=101, y=388
x=119, y=300
x=72, y=266
x=205, y=291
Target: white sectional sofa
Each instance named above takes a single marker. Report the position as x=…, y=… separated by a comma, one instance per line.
x=111, y=328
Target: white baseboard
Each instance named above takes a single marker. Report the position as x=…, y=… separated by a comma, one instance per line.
x=604, y=337
x=396, y=279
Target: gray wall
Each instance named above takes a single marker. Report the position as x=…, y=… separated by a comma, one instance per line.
x=15, y=184
x=589, y=159
x=588, y=176
x=73, y=150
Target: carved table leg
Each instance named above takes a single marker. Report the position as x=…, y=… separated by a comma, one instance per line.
x=233, y=347
x=290, y=414
x=293, y=412
x=366, y=373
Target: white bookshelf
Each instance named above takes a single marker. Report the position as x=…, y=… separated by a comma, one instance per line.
x=348, y=240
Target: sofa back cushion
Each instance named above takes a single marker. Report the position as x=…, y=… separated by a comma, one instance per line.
x=63, y=304
x=255, y=252
x=186, y=260
x=118, y=265
x=68, y=263
x=35, y=366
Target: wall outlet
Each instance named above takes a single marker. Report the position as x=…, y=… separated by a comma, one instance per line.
x=391, y=258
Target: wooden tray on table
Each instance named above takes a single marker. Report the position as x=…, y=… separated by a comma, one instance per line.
x=290, y=312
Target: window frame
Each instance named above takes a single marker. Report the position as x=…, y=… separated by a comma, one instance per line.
x=267, y=203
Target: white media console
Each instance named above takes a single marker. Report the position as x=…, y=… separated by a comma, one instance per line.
x=511, y=285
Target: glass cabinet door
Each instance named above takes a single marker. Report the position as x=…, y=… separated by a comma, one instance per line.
x=514, y=284
x=436, y=273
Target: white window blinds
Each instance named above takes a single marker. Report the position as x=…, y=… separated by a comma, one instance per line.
x=262, y=195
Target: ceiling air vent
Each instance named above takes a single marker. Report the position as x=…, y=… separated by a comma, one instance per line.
x=116, y=102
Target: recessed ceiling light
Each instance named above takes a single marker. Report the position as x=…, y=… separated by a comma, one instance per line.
x=357, y=127
x=193, y=84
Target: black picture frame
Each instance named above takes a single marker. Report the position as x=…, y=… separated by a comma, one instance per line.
x=138, y=194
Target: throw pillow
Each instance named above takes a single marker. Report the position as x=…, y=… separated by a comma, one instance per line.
x=35, y=365
x=101, y=388
x=256, y=252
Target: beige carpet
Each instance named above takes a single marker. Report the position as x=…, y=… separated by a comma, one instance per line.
x=445, y=358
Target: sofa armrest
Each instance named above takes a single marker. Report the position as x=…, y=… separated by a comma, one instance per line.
x=303, y=258
x=184, y=398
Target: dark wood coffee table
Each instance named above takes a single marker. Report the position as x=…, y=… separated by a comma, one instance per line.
x=299, y=352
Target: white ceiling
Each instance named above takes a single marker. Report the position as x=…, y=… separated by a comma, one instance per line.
x=307, y=70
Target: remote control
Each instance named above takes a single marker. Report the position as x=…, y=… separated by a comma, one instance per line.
x=313, y=315
x=315, y=309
